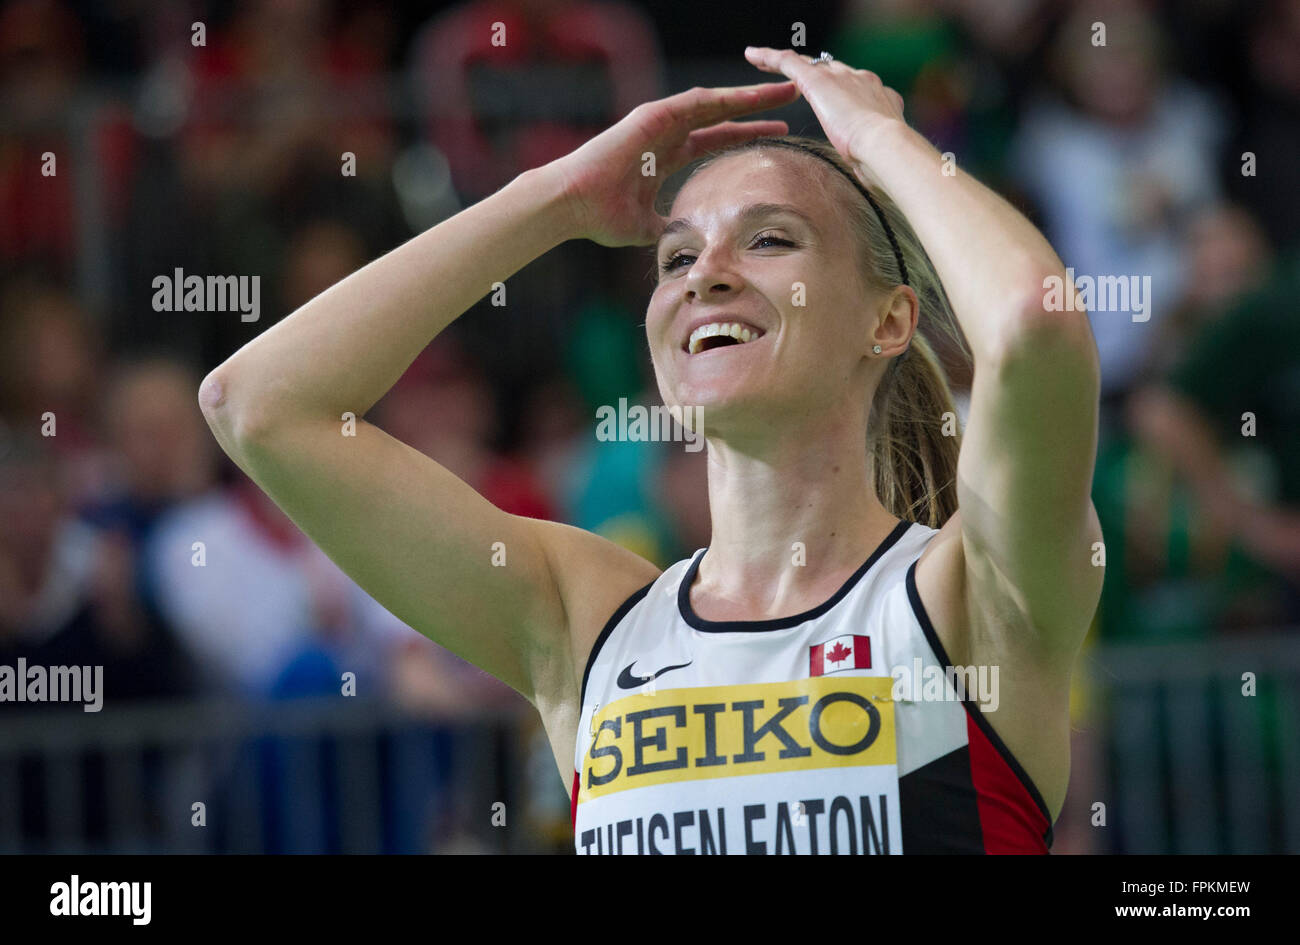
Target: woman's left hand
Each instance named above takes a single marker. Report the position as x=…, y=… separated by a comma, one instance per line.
x=853, y=105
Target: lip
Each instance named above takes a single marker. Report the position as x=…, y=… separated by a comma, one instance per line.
x=722, y=317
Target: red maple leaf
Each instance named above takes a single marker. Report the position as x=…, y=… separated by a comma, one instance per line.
x=839, y=652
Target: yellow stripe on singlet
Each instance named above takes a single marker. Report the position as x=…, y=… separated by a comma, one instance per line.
x=724, y=731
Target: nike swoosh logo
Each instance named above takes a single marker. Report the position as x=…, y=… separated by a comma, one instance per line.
x=627, y=681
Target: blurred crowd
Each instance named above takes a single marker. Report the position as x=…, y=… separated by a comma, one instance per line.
x=300, y=139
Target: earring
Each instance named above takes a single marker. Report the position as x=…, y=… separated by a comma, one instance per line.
x=875, y=349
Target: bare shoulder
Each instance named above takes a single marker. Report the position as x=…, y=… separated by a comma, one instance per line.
x=1032, y=717
x=595, y=577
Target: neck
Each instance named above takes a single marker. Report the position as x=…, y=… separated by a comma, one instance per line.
x=764, y=501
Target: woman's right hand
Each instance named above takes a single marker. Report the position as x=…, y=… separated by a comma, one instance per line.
x=609, y=195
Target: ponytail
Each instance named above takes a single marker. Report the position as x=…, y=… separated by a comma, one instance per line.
x=913, y=465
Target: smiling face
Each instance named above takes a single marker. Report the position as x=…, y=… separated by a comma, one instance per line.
x=744, y=232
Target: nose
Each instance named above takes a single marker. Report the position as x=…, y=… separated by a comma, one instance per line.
x=711, y=274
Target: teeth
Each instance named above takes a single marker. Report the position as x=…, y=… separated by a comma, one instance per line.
x=731, y=329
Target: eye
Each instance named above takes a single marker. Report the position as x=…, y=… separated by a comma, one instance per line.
x=673, y=261
x=771, y=239
x=761, y=241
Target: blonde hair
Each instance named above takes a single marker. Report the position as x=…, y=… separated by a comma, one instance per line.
x=913, y=464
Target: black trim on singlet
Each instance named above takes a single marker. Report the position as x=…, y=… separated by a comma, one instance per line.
x=972, y=710
x=779, y=623
x=940, y=807
x=610, y=624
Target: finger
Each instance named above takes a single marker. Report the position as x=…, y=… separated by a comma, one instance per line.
x=701, y=107
x=896, y=99
x=731, y=132
x=784, y=61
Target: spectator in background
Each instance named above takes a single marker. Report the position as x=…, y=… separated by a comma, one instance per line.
x=50, y=362
x=279, y=91
x=159, y=451
x=1227, y=420
x=275, y=100
x=1171, y=570
x=67, y=598
x=256, y=596
x=67, y=589
x=159, y=455
x=1229, y=257
x=502, y=100
x=1011, y=36
x=41, y=62
x=1117, y=164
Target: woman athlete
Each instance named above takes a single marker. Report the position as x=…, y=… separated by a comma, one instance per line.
x=749, y=699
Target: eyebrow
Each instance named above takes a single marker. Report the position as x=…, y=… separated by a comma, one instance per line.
x=747, y=212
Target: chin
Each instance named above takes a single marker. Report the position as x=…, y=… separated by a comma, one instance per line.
x=725, y=404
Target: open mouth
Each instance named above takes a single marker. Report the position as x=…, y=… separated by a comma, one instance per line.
x=720, y=335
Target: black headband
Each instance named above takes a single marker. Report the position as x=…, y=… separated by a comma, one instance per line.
x=893, y=241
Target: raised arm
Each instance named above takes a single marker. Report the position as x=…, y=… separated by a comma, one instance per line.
x=520, y=598
x=1024, y=475
x=1026, y=525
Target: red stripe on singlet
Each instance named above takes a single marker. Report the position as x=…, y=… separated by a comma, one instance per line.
x=1010, y=820
x=573, y=802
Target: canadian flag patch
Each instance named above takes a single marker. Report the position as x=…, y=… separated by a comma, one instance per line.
x=847, y=652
